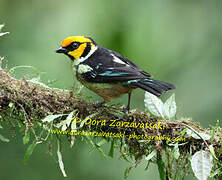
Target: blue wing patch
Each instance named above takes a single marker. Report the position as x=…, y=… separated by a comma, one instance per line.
x=111, y=73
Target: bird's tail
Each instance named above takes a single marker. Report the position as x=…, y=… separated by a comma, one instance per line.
x=153, y=86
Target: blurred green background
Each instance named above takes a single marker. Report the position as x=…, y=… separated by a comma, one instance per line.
x=176, y=41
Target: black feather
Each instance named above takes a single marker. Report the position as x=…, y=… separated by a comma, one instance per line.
x=153, y=86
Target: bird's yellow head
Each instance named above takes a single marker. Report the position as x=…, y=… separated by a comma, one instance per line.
x=76, y=47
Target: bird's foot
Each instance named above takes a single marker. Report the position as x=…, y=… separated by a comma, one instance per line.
x=98, y=104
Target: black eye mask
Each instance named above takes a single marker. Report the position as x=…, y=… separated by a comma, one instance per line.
x=73, y=46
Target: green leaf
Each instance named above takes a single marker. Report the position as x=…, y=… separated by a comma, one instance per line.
x=216, y=172
x=29, y=152
x=127, y=171
x=61, y=164
x=161, y=167
x=95, y=146
x=26, y=138
x=4, y=33
x=66, y=123
x=211, y=148
x=50, y=118
x=125, y=158
x=204, y=136
x=170, y=107
x=176, y=152
x=3, y=139
x=68, y=120
x=214, y=130
x=201, y=164
x=73, y=126
x=112, y=147
x=151, y=155
x=69, y=117
x=72, y=140
x=11, y=104
x=100, y=143
x=1, y=26
x=154, y=105
x=195, y=136
x=183, y=132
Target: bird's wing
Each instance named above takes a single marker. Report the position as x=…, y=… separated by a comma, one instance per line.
x=108, y=66
x=127, y=61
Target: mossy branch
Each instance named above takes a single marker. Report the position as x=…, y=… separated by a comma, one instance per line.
x=35, y=102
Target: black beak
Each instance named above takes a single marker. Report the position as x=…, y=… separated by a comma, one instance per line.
x=61, y=50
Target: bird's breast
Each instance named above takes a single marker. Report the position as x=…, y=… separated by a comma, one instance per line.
x=107, y=91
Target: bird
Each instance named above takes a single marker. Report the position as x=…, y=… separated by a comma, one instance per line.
x=106, y=72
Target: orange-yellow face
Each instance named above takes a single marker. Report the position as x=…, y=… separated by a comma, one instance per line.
x=76, y=46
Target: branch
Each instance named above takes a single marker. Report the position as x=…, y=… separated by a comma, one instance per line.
x=34, y=102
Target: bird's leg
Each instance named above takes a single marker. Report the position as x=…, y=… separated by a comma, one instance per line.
x=126, y=110
x=128, y=105
x=98, y=104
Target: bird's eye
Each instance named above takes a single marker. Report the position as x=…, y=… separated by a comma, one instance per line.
x=75, y=45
